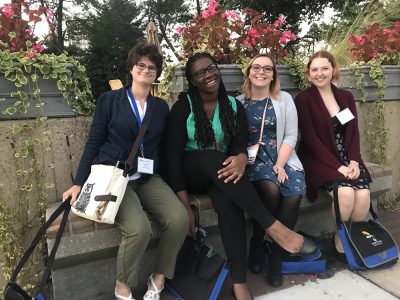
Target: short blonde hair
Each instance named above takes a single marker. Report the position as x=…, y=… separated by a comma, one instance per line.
x=330, y=58
x=275, y=85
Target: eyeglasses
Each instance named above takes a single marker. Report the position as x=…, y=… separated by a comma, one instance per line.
x=257, y=68
x=212, y=68
x=142, y=66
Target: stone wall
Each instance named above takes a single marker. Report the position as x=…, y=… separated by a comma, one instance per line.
x=392, y=119
x=67, y=137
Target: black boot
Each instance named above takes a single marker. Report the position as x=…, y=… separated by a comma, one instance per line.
x=256, y=258
x=274, y=276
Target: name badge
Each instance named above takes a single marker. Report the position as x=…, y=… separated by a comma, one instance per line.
x=345, y=116
x=145, y=165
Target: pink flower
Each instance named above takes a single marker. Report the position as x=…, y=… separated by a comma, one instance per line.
x=212, y=6
x=230, y=15
x=49, y=14
x=179, y=30
x=279, y=22
x=211, y=10
x=205, y=14
x=253, y=33
x=386, y=31
x=360, y=40
x=30, y=55
x=287, y=36
x=38, y=47
x=7, y=11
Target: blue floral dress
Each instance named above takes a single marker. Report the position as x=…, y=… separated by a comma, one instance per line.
x=267, y=153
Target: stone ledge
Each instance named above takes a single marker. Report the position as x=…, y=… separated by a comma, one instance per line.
x=87, y=254
x=85, y=240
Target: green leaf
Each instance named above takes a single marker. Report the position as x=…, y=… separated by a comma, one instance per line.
x=10, y=111
x=36, y=93
x=28, y=44
x=61, y=85
x=15, y=129
x=34, y=77
x=45, y=69
x=22, y=79
x=12, y=35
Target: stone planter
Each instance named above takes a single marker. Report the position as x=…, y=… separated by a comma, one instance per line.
x=392, y=75
x=232, y=77
x=54, y=103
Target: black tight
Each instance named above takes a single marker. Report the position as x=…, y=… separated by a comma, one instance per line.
x=229, y=200
x=285, y=209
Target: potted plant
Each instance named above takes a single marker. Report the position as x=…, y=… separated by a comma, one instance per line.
x=374, y=77
x=226, y=36
x=31, y=82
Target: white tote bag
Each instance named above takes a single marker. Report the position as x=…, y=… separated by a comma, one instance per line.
x=101, y=195
x=103, y=191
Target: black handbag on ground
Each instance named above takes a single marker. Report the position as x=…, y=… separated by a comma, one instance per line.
x=200, y=271
x=12, y=290
x=367, y=244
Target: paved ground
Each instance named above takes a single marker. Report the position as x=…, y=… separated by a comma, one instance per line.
x=381, y=284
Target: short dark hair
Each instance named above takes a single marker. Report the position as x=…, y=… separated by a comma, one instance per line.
x=148, y=50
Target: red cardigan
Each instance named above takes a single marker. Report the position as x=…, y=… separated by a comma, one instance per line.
x=317, y=149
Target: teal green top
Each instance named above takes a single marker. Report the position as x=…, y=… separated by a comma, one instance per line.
x=191, y=143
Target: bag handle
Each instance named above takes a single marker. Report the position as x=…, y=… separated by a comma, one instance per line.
x=338, y=218
x=260, y=140
x=135, y=148
x=64, y=207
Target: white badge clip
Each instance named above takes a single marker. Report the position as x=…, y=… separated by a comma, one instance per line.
x=345, y=116
x=145, y=165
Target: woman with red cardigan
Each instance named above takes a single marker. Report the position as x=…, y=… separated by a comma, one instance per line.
x=330, y=141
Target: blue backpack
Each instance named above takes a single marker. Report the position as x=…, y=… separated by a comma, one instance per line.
x=367, y=244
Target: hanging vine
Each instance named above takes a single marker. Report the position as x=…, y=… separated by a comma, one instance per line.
x=24, y=208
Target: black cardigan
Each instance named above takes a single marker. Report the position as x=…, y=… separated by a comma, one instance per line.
x=177, y=137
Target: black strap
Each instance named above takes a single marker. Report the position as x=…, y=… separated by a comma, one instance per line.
x=135, y=148
x=64, y=207
x=338, y=218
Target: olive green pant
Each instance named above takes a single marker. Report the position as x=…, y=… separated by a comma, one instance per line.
x=155, y=198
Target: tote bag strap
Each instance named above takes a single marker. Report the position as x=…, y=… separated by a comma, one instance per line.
x=64, y=207
x=135, y=148
x=336, y=205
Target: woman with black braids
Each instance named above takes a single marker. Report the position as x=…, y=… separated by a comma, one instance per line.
x=206, y=149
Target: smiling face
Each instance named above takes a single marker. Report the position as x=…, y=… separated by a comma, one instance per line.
x=206, y=82
x=140, y=71
x=261, y=72
x=321, y=72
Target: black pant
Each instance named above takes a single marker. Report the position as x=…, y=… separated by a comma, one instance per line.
x=229, y=200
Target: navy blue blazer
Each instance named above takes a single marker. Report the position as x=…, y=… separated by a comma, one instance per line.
x=114, y=130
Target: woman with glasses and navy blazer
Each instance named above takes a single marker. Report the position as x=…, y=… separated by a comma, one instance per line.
x=116, y=123
x=206, y=149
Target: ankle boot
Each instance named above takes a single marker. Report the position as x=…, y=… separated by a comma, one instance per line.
x=274, y=276
x=256, y=258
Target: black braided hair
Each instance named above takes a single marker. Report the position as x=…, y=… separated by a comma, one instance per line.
x=204, y=133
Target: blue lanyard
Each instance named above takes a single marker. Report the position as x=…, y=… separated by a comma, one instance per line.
x=135, y=108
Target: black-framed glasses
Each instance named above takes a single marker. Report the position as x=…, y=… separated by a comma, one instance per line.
x=212, y=68
x=257, y=68
x=151, y=68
